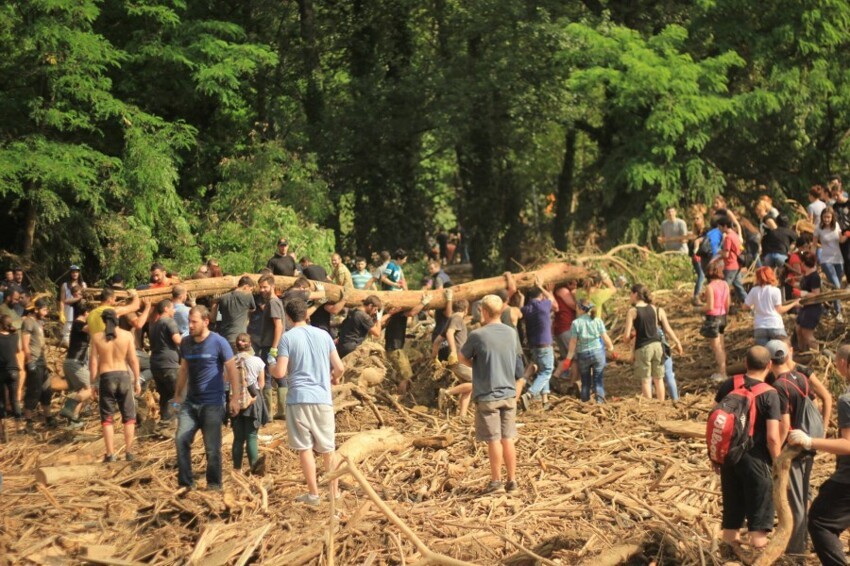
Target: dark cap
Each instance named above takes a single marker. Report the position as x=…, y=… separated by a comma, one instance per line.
x=74, y=268
x=282, y=242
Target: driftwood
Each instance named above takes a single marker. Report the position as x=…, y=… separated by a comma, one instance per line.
x=363, y=444
x=52, y=475
x=683, y=429
x=549, y=273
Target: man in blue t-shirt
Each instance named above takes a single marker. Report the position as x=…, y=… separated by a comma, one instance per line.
x=537, y=313
x=307, y=358
x=206, y=358
x=392, y=279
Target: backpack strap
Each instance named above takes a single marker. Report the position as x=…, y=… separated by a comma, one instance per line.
x=784, y=378
x=738, y=381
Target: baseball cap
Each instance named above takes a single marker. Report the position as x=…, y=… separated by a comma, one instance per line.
x=282, y=242
x=778, y=350
x=586, y=305
x=74, y=268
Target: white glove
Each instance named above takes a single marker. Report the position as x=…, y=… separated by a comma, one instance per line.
x=426, y=298
x=800, y=438
x=319, y=287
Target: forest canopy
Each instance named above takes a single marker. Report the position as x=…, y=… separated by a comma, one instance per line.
x=177, y=130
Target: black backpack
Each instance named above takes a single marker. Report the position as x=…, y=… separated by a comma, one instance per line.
x=729, y=432
x=808, y=418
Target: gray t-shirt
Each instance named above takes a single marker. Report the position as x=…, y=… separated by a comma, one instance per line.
x=674, y=229
x=234, y=308
x=842, y=463
x=456, y=323
x=493, y=349
x=36, y=331
x=273, y=311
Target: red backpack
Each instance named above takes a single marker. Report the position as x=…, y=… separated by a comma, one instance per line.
x=729, y=433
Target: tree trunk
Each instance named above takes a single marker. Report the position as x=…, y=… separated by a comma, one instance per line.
x=564, y=198
x=51, y=476
x=363, y=444
x=30, y=221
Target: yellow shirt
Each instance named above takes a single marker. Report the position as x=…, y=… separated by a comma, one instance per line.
x=95, y=321
x=598, y=297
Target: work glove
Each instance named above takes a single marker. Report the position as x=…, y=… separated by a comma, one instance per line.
x=426, y=298
x=452, y=360
x=800, y=438
x=437, y=365
x=271, y=359
x=565, y=365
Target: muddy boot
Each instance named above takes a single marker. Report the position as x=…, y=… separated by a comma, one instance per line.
x=69, y=409
x=281, y=403
x=268, y=397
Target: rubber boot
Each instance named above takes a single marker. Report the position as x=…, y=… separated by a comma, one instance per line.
x=281, y=403
x=268, y=396
x=69, y=409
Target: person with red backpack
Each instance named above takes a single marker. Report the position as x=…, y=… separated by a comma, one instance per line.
x=745, y=471
x=798, y=387
x=829, y=514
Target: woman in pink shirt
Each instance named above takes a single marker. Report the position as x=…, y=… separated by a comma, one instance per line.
x=717, y=299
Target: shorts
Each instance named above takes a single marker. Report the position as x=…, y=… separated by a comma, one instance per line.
x=77, y=374
x=116, y=394
x=746, y=489
x=311, y=426
x=764, y=335
x=400, y=364
x=649, y=361
x=462, y=372
x=563, y=341
x=495, y=420
x=809, y=318
x=713, y=326
x=37, y=388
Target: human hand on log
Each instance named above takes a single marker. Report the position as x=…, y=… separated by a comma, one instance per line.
x=452, y=359
x=800, y=438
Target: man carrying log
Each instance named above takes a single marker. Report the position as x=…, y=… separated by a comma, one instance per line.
x=271, y=329
x=492, y=352
x=308, y=359
x=207, y=358
x=112, y=352
x=746, y=486
x=165, y=340
x=360, y=323
x=108, y=301
x=394, y=339
x=234, y=308
x=829, y=514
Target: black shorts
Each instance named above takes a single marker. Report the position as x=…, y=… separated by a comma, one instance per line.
x=37, y=388
x=747, y=489
x=713, y=326
x=809, y=317
x=116, y=394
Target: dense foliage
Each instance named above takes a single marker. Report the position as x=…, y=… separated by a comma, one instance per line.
x=181, y=129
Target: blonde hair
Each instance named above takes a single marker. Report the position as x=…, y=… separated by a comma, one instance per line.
x=492, y=304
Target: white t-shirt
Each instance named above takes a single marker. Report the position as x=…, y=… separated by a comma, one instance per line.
x=815, y=208
x=830, y=251
x=764, y=300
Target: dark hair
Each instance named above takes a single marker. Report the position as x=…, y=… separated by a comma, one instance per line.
x=715, y=270
x=41, y=303
x=642, y=293
x=163, y=305
x=110, y=320
x=296, y=310
x=758, y=358
x=502, y=294
x=83, y=307
x=359, y=259
x=305, y=259
x=460, y=305
x=301, y=283
x=372, y=301
x=803, y=239
x=831, y=211
x=6, y=324
x=533, y=293
x=157, y=266
x=399, y=254
x=724, y=222
x=266, y=271
x=106, y=293
x=117, y=280
x=266, y=279
x=809, y=259
x=385, y=255
x=817, y=192
x=201, y=311
x=782, y=221
x=245, y=281
x=178, y=291
x=243, y=337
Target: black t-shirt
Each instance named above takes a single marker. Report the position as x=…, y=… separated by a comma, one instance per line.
x=163, y=349
x=842, y=214
x=777, y=241
x=9, y=351
x=316, y=273
x=78, y=342
x=287, y=296
x=321, y=318
x=353, y=331
x=791, y=386
x=767, y=408
x=395, y=332
x=809, y=283
x=234, y=308
x=282, y=265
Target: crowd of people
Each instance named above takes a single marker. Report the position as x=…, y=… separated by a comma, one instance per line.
x=254, y=355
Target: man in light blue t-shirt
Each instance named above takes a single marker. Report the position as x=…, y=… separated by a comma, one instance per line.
x=307, y=358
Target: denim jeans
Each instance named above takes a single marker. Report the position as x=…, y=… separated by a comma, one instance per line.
x=833, y=272
x=591, y=366
x=733, y=278
x=208, y=419
x=700, y=273
x=764, y=335
x=670, y=379
x=774, y=260
x=545, y=360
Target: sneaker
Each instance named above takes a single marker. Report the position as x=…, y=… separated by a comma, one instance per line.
x=309, y=499
x=129, y=457
x=495, y=487
x=546, y=406
x=259, y=467
x=510, y=486
x=108, y=458
x=718, y=378
x=442, y=399
x=75, y=425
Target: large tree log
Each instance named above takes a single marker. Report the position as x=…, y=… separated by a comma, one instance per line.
x=549, y=273
x=52, y=475
x=364, y=444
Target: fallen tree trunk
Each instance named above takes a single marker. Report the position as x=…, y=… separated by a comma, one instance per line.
x=684, y=429
x=364, y=444
x=549, y=273
x=52, y=475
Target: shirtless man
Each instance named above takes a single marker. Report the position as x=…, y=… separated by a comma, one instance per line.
x=113, y=350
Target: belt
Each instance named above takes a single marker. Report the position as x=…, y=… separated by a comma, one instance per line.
x=537, y=347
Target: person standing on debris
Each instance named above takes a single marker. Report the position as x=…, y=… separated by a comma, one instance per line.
x=181, y=310
x=492, y=352
x=809, y=316
x=746, y=486
x=731, y=250
x=108, y=301
x=455, y=337
x=829, y=237
x=395, y=335
x=308, y=359
x=829, y=514
x=37, y=381
x=112, y=352
x=795, y=383
x=537, y=308
x=392, y=279
x=10, y=371
x=76, y=367
x=588, y=342
x=252, y=410
x=67, y=300
x=9, y=307
x=282, y=263
x=766, y=302
x=165, y=340
x=674, y=233
x=717, y=301
x=234, y=308
x=271, y=329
